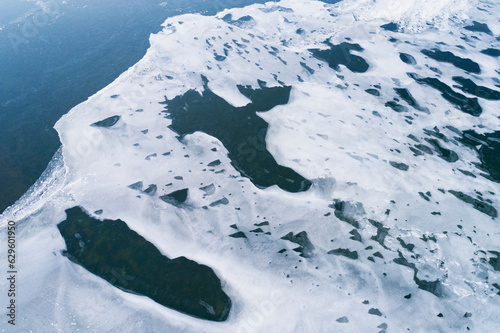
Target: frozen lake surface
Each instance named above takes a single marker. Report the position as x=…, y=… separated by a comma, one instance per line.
x=331, y=167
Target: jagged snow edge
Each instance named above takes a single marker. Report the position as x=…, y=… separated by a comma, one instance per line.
x=412, y=16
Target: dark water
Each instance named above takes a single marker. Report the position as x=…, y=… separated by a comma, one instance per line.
x=468, y=86
x=463, y=103
x=52, y=60
x=390, y=26
x=240, y=130
x=479, y=27
x=488, y=148
x=110, y=250
x=467, y=65
x=340, y=55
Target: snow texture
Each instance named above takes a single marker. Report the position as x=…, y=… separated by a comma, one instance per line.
x=399, y=230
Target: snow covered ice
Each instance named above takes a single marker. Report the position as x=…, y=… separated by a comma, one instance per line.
x=395, y=140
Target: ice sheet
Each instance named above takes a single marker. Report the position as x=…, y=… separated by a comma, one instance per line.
x=352, y=147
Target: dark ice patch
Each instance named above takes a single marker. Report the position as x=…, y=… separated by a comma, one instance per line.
x=341, y=55
x=396, y=106
x=413, y=137
x=435, y=133
x=108, y=122
x=491, y=52
x=468, y=105
x=467, y=173
x=208, y=189
x=479, y=205
x=488, y=148
x=407, y=58
x=415, y=151
x=136, y=186
x=219, y=202
x=151, y=190
x=446, y=154
x=479, y=27
x=425, y=149
x=468, y=86
x=356, y=236
x=375, y=312
x=345, y=252
x=238, y=234
x=401, y=260
x=423, y=196
x=306, y=247
x=307, y=68
x=382, y=232
x=453, y=129
x=342, y=320
x=446, y=56
x=390, y=27
x=408, y=98
x=244, y=22
x=331, y=2
x=114, y=252
x=405, y=245
x=242, y=132
x=219, y=57
x=243, y=46
x=373, y=92
x=399, y=165
x=428, y=237
x=176, y=198
x=495, y=261
x=496, y=285
x=345, y=211
x=433, y=287
x=214, y=163
x=261, y=224
x=262, y=84
x=149, y=157
x=435, y=70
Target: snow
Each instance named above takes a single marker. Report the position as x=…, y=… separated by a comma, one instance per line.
x=413, y=15
x=327, y=133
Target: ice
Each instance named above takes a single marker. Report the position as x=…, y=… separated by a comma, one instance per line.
x=399, y=218
x=410, y=15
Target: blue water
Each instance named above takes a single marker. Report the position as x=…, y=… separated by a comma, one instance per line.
x=52, y=60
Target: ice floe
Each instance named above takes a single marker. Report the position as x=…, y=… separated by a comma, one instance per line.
x=376, y=205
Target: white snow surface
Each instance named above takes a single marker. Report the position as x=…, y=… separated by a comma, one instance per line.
x=327, y=132
x=411, y=15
